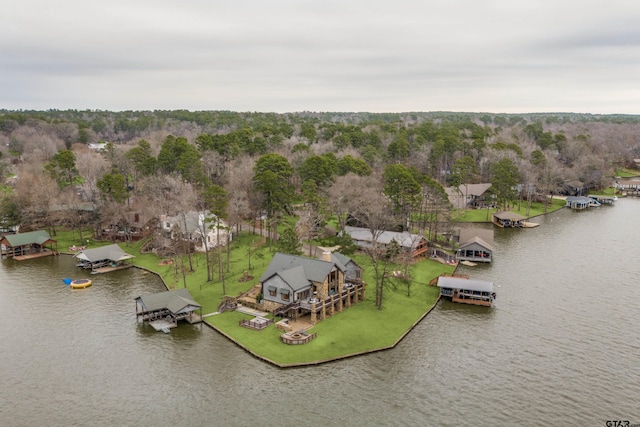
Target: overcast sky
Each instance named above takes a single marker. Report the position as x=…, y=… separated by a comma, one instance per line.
x=511, y=56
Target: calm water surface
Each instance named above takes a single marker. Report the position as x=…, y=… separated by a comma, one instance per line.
x=561, y=347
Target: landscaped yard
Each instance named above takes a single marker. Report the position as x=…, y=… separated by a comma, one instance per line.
x=484, y=215
x=360, y=328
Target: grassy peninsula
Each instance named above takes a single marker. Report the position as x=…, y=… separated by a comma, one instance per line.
x=361, y=328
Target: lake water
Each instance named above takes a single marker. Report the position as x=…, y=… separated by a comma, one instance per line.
x=561, y=347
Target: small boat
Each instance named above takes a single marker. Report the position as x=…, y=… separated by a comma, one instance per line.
x=80, y=284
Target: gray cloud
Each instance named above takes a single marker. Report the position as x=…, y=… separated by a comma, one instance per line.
x=407, y=55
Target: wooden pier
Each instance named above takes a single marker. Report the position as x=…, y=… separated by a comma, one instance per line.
x=34, y=255
x=108, y=268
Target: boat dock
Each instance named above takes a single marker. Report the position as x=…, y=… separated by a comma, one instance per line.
x=108, y=268
x=34, y=255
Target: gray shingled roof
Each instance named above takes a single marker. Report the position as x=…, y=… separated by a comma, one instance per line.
x=295, y=277
x=404, y=239
x=39, y=237
x=341, y=260
x=477, y=240
x=175, y=301
x=314, y=269
x=466, y=284
x=110, y=252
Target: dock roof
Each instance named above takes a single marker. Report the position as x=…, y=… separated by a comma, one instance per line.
x=175, y=301
x=39, y=237
x=509, y=215
x=110, y=252
x=476, y=240
x=466, y=284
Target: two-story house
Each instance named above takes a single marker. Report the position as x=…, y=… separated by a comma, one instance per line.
x=295, y=286
x=200, y=228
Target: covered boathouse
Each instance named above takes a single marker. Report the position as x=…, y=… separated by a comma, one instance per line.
x=508, y=219
x=474, y=245
x=164, y=309
x=467, y=291
x=104, y=259
x=33, y=244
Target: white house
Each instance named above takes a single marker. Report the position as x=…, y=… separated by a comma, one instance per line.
x=198, y=227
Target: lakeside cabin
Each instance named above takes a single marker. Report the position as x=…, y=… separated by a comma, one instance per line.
x=467, y=291
x=506, y=219
x=475, y=250
x=163, y=310
x=579, y=202
x=33, y=244
x=474, y=244
x=104, y=259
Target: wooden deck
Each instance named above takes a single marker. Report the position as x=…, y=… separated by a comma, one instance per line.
x=257, y=323
x=108, y=269
x=34, y=255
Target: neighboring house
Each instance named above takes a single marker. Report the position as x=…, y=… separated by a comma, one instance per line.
x=470, y=196
x=192, y=227
x=130, y=226
x=294, y=285
x=97, y=146
x=415, y=244
x=32, y=244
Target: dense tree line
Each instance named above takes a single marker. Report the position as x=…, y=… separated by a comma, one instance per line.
x=381, y=170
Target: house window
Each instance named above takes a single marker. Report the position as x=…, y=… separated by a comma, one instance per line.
x=285, y=295
x=272, y=291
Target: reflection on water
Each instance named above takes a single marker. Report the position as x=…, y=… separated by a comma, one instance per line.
x=560, y=346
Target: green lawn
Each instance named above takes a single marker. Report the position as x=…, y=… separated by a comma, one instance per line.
x=361, y=328
x=484, y=215
x=627, y=173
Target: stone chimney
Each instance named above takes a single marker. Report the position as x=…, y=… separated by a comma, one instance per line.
x=326, y=256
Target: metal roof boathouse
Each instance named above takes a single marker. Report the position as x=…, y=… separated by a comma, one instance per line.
x=164, y=309
x=34, y=244
x=104, y=259
x=467, y=291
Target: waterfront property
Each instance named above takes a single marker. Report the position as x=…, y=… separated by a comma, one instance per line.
x=506, y=219
x=579, y=202
x=296, y=286
x=413, y=244
x=33, y=244
x=203, y=229
x=628, y=187
x=104, y=259
x=475, y=250
x=603, y=200
x=467, y=291
x=475, y=196
x=475, y=245
x=164, y=309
